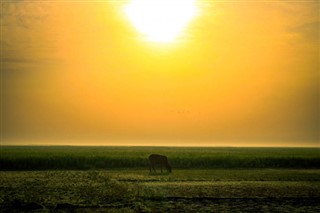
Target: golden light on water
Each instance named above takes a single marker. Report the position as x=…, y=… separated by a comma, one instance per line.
x=160, y=21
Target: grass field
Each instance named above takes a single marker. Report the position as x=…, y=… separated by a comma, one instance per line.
x=64, y=157
x=203, y=185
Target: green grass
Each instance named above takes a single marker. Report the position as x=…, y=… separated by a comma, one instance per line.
x=135, y=190
x=117, y=179
x=84, y=158
x=216, y=175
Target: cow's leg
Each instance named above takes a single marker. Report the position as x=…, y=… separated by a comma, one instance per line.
x=161, y=168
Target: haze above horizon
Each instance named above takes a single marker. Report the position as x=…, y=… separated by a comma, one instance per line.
x=233, y=74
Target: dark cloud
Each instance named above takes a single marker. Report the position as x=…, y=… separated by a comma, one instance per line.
x=18, y=60
x=28, y=60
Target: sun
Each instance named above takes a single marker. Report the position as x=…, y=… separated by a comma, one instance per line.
x=161, y=20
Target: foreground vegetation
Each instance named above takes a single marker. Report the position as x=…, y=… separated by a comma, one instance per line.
x=84, y=158
x=117, y=179
x=256, y=190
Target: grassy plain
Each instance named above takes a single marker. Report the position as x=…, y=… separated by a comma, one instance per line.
x=195, y=187
x=71, y=157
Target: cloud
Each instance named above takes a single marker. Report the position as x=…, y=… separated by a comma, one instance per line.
x=28, y=60
x=25, y=43
x=309, y=31
x=22, y=14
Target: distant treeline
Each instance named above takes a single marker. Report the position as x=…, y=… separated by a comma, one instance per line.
x=83, y=158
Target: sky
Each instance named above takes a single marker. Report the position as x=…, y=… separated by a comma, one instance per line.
x=238, y=73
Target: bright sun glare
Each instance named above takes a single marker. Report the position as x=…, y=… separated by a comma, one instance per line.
x=160, y=20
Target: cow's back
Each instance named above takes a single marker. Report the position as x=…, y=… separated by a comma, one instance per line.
x=154, y=158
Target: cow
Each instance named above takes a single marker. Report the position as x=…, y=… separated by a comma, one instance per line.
x=159, y=160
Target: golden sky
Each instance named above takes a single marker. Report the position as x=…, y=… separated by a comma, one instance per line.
x=237, y=73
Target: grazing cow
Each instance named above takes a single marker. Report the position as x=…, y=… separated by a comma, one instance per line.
x=159, y=160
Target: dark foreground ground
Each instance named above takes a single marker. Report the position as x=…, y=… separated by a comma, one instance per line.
x=187, y=205
x=215, y=190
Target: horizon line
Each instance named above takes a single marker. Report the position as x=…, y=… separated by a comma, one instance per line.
x=186, y=146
